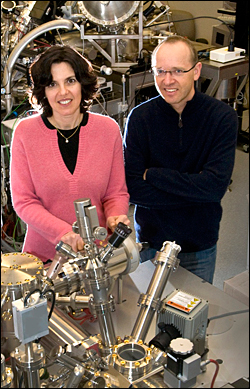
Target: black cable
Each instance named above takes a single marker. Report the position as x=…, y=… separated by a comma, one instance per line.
x=41, y=295
x=29, y=294
x=142, y=51
x=54, y=10
x=53, y=301
x=149, y=9
x=20, y=381
x=138, y=91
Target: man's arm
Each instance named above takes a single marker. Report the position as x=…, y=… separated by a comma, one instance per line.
x=136, y=154
x=160, y=186
x=211, y=182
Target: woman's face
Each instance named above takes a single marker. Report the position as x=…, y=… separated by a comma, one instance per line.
x=64, y=92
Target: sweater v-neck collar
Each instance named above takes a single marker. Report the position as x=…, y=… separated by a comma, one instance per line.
x=55, y=147
x=189, y=108
x=51, y=127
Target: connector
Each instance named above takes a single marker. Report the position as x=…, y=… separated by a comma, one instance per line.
x=231, y=45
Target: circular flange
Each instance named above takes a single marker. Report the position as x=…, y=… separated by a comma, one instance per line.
x=108, y=13
x=19, y=268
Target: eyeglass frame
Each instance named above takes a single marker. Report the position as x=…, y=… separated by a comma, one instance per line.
x=171, y=71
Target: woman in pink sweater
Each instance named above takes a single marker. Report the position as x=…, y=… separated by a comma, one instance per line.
x=63, y=154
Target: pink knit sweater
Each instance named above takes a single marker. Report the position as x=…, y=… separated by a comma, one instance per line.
x=43, y=190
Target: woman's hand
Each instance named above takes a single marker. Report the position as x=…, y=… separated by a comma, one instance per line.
x=74, y=240
x=112, y=221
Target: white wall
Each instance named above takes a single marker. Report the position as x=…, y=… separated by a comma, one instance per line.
x=203, y=27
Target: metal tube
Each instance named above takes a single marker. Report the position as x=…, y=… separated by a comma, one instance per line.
x=63, y=331
x=106, y=326
x=27, y=360
x=75, y=302
x=32, y=379
x=83, y=221
x=31, y=373
x=29, y=351
x=150, y=302
x=102, y=304
x=54, y=24
x=75, y=377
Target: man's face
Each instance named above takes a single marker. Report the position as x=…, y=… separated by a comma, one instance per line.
x=176, y=88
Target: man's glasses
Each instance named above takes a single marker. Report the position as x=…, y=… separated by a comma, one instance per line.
x=159, y=72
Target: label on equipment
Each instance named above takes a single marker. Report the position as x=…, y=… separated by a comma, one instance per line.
x=183, y=301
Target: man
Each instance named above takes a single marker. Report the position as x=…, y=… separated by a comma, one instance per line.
x=179, y=156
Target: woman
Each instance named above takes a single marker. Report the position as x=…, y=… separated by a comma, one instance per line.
x=65, y=153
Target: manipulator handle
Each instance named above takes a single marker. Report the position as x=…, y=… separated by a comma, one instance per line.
x=87, y=224
x=122, y=231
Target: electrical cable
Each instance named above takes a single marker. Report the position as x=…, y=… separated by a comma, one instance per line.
x=194, y=18
x=53, y=301
x=216, y=372
x=104, y=101
x=60, y=38
x=104, y=110
x=9, y=243
x=18, y=28
x=20, y=381
x=7, y=246
x=6, y=117
x=14, y=230
x=41, y=295
x=41, y=42
x=228, y=314
x=76, y=317
x=29, y=294
x=138, y=91
x=88, y=316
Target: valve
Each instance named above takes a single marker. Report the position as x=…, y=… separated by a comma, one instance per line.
x=122, y=231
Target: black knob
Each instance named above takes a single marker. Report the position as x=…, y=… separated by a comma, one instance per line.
x=121, y=232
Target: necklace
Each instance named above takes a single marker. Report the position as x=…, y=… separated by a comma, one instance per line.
x=67, y=139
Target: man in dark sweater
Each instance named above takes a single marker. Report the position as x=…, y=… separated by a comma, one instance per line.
x=179, y=157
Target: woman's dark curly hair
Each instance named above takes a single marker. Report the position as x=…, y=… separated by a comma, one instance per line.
x=40, y=73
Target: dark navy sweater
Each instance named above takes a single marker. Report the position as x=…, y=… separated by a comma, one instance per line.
x=190, y=160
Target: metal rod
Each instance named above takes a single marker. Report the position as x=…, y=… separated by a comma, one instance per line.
x=150, y=302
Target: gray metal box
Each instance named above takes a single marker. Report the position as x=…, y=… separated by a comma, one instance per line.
x=30, y=322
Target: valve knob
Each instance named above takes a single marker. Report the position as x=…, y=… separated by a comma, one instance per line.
x=121, y=232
